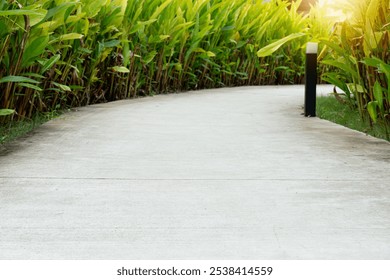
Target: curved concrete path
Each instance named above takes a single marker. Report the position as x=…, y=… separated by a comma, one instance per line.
x=218, y=174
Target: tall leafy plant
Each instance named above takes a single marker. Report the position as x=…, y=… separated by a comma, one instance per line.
x=360, y=50
x=56, y=53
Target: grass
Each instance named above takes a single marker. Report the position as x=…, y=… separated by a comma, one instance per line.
x=329, y=108
x=16, y=129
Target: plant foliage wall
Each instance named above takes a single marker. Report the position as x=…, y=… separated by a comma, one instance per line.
x=57, y=53
x=359, y=49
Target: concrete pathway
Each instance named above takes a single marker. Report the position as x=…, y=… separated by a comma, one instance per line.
x=218, y=174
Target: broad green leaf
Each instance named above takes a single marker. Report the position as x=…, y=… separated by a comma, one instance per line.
x=93, y=7
x=22, y=12
x=111, y=21
x=371, y=13
x=271, y=48
x=26, y=85
x=143, y=23
x=34, y=49
x=37, y=18
x=33, y=75
x=164, y=37
x=122, y=4
x=49, y=63
x=178, y=67
x=111, y=44
x=373, y=62
x=6, y=112
x=149, y=58
x=343, y=65
x=140, y=25
x=385, y=68
x=333, y=79
x=71, y=36
x=62, y=87
x=180, y=28
x=76, y=18
x=372, y=110
x=382, y=68
x=50, y=26
x=371, y=41
x=160, y=9
x=228, y=28
x=120, y=69
x=126, y=53
x=76, y=87
x=378, y=94
x=67, y=37
x=355, y=88
x=17, y=79
x=58, y=9
x=5, y=29
x=339, y=50
x=199, y=50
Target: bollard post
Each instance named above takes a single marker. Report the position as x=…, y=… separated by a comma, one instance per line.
x=311, y=79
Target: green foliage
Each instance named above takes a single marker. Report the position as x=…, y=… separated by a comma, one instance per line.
x=15, y=129
x=56, y=54
x=359, y=51
x=271, y=48
x=6, y=112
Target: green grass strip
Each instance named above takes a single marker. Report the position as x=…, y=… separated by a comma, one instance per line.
x=329, y=108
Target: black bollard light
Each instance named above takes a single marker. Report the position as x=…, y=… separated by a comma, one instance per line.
x=311, y=79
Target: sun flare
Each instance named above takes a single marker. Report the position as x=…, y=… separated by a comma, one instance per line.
x=336, y=9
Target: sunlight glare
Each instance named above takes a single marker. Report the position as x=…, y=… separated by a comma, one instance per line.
x=334, y=9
